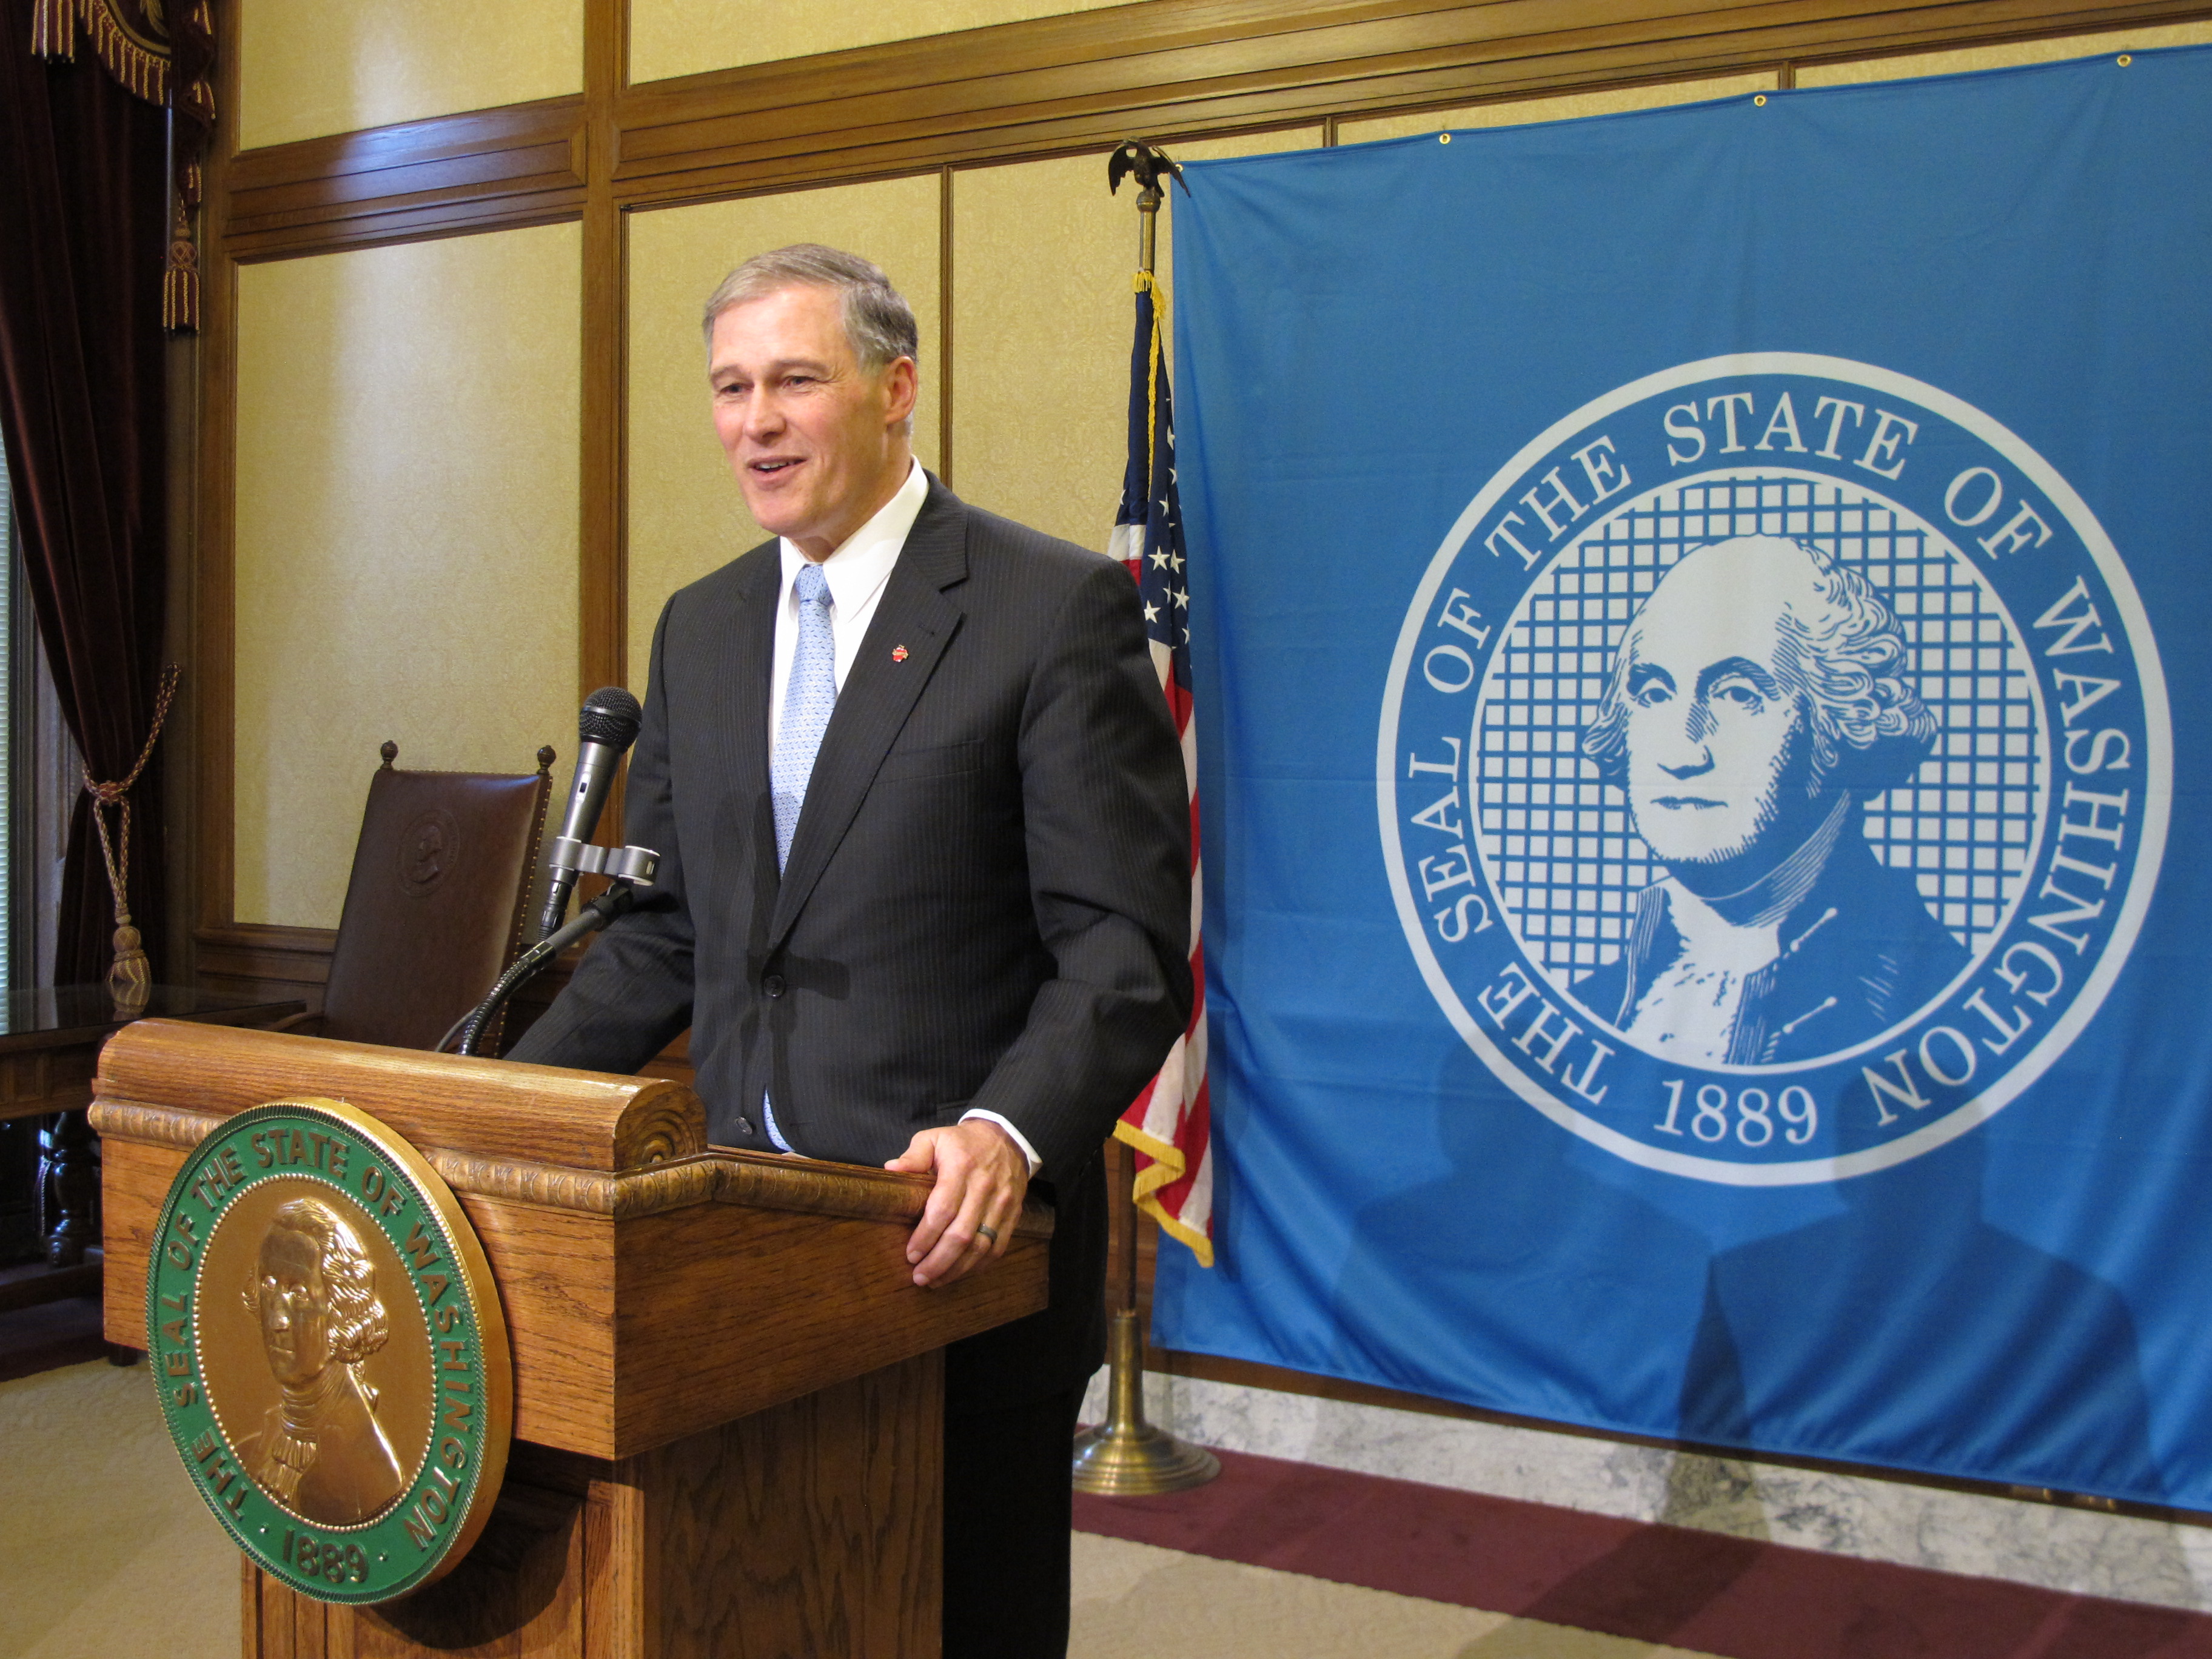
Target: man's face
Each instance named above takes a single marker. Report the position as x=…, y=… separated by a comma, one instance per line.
x=1719, y=753
x=295, y=1328
x=815, y=440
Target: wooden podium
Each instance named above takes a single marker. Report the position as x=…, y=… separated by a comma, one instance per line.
x=728, y=1392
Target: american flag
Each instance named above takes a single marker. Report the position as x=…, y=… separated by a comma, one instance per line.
x=1167, y=1123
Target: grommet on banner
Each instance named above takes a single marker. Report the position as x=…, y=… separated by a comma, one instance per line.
x=1444, y=137
x=2126, y=58
x=1760, y=99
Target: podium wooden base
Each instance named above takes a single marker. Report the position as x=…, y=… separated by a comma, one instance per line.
x=811, y=1528
x=729, y=1392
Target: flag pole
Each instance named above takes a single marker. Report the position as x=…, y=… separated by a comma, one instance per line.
x=1125, y=1456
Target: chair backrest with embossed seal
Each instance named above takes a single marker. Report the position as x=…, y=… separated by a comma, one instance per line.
x=438, y=901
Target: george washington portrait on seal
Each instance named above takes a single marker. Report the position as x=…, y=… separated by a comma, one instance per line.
x=320, y=1450
x=1759, y=695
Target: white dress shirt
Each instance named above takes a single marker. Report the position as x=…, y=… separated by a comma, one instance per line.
x=856, y=573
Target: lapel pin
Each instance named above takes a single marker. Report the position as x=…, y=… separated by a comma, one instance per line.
x=898, y=654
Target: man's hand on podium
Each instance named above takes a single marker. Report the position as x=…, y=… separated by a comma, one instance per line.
x=981, y=1178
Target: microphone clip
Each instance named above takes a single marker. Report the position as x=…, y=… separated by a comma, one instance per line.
x=633, y=865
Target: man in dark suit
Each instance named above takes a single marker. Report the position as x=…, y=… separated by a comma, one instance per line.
x=923, y=898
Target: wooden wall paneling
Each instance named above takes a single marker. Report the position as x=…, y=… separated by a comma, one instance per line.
x=264, y=959
x=1025, y=89
x=1195, y=66
x=602, y=574
x=519, y=165
x=179, y=785
x=213, y=664
x=945, y=346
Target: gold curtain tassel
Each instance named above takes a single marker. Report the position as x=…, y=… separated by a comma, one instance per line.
x=51, y=33
x=130, y=976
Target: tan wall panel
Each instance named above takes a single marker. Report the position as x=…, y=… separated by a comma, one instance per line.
x=408, y=430
x=686, y=515
x=1041, y=314
x=2004, y=57
x=338, y=65
x=689, y=37
x=1519, y=112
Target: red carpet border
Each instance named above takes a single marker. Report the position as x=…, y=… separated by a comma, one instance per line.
x=1733, y=1597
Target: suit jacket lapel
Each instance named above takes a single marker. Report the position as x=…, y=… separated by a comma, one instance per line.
x=878, y=693
x=750, y=627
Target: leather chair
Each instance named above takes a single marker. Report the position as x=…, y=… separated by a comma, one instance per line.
x=443, y=879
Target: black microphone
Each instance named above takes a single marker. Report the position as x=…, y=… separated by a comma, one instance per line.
x=606, y=727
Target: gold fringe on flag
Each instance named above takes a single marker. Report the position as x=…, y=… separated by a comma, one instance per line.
x=1169, y=1165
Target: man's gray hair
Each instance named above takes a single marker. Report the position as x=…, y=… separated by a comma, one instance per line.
x=1847, y=663
x=878, y=323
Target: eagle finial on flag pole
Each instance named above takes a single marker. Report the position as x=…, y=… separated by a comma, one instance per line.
x=1150, y=166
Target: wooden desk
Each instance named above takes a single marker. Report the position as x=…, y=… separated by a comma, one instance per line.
x=49, y=1043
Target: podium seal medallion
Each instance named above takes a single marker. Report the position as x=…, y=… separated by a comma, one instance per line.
x=330, y=1350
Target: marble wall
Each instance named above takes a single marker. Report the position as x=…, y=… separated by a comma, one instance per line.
x=2049, y=1546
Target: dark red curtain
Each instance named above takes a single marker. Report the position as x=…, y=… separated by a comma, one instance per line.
x=83, y=238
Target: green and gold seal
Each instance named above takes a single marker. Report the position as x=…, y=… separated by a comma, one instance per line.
x=328, y=1343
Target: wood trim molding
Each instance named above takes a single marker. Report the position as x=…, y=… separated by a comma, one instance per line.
x=251, y=956
x=1168, y=67
x=524, y=164
x=603, y=538
x=213, y=664
x=760, y=1181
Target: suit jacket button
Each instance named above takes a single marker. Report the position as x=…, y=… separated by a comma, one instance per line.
x=773, y=985
x=744, y=1126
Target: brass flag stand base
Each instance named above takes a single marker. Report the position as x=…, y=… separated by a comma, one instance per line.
x=1124, y=1456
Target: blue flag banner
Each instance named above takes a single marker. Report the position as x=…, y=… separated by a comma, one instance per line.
x=1703, y=625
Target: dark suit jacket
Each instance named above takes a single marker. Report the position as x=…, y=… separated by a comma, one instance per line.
x=987, y=899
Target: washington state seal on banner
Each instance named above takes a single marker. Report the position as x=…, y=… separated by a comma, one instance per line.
x=1774, y=769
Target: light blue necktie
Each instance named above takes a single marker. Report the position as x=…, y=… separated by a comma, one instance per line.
x=808, y=701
